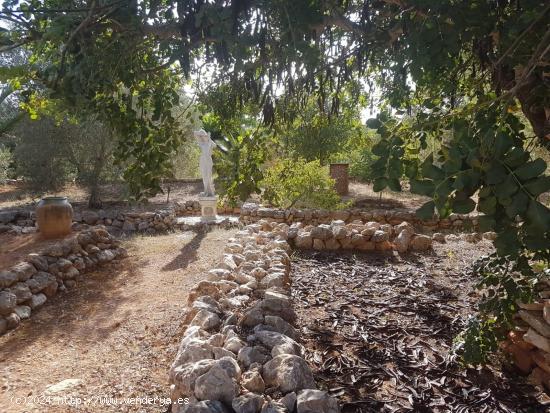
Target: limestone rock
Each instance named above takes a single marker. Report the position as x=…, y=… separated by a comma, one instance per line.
x=288, y=373
x=206, y=320
x=37, y=300
x=421, y=243
x=8, y=301
x=273, y=407
x=8, y=278
x=23, y=270
x=219, y=382
x=252, y=381
x=304, y=240
x=403, y=240
x=249, y=355
x=252, y=317
x=40, y=281
x=12, y=320
x=21, y=291
x=380, y=236
x=321, y=232
x=63, y=386
x=184, y=376
x=248, y=403
x=316, y=401
x=278, y=343
x=39, y=262
x=281, y=326
x=289, y=401
x=318, y=244
x=234, y=344
x=23, y=311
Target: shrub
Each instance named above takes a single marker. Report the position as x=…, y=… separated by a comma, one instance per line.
x=41, y=155
x=297, y=183
x=5, y=164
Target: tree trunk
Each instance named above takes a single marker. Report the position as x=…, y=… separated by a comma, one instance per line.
x=537, y=114
x=94, y=202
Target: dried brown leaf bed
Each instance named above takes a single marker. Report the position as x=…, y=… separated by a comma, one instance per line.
x=379, y=333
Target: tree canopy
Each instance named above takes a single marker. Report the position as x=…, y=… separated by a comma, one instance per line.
x=471, y=75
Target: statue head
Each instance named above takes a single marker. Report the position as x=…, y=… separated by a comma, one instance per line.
x=201, y=135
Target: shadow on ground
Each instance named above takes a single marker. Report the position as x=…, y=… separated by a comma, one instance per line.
x=187, y=255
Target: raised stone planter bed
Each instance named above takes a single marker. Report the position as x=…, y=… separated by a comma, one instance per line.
x=27, y=285
x=240, y=351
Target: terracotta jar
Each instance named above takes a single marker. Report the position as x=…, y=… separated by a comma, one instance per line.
x=54, y=216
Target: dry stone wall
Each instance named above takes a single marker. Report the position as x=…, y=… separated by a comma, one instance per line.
x=116, y=221
x=27, y=285
x=241, y=352
x=357, y=235
x=251, y=213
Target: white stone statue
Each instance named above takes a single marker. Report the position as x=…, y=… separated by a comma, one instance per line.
x=205, y=163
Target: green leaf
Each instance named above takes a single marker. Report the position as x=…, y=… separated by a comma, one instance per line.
x=530, y=170
x=486, y=223
x=380, y=149
x=379, y=184
x=422, y=187
x=496, y=175
x=394, y=184
x=411, y=170
x=426, y=211
x=373, y=123
x=503, y=143
x=507, y=188
x=518, y=205
x=538, y=185
x=516, y=157
x=463, y=206
x=538, y=216
x=507, y=242
x=487, y=205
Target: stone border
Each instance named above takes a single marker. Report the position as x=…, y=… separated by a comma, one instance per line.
x=240, y=352
x=251, y=213
x=26, y=286
x=23, y=221
x=357, y=235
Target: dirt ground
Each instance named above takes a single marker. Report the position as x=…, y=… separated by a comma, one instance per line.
x=116, y=332
x=14, y=248
x=379, y=332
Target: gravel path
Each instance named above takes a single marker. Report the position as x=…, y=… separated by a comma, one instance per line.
x=114, y=335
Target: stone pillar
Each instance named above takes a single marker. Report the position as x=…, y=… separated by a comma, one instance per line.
x=339, y=172
x=208, y=207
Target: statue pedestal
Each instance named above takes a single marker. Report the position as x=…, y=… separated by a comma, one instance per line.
x=209, y=209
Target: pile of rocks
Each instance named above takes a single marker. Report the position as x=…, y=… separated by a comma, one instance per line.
x=240, y=351
x=251, y=213
x=357, y=235
x=529, y=343
x=27, y=285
